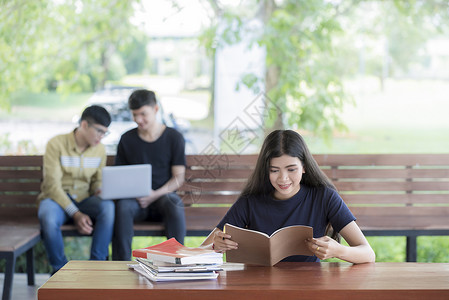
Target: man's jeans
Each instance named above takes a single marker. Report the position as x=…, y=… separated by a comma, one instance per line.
x=52, y=217
x=168, y=208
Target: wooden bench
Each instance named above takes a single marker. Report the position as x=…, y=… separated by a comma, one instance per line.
x=390, y=194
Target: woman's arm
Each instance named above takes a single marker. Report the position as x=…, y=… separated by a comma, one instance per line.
x=359, y=250
x=219, y=241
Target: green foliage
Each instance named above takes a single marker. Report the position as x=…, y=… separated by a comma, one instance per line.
x=388, y=249
x=433, y=249
x=311, y=46
x=70, y=46
x=134, y=53
x=302, y=70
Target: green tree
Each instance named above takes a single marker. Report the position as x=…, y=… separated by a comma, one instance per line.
x=71, y=45
x=311, y=46
x=301, y=66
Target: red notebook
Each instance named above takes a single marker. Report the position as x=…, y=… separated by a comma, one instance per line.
x=172, y=251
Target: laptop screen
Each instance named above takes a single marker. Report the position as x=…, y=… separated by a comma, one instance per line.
x=130, y=181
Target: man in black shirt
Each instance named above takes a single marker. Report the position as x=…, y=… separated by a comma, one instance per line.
x=164, y=148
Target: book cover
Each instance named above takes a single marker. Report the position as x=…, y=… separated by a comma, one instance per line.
x=258, y=248
x=172, y=251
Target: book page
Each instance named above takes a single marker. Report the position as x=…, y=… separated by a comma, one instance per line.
x=254, y=247
x=290, y=241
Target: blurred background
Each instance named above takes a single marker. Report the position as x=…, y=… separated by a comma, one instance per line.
x=351, y=76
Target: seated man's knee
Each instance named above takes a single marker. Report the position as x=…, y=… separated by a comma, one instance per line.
x=107, y=206
x=48, y=221
x=48, y=217
x=125, y=207
x=107, y=209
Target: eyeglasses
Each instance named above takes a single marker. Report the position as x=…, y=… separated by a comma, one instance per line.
x=99, y=131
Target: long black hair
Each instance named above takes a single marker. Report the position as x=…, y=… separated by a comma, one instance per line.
x=291, y=143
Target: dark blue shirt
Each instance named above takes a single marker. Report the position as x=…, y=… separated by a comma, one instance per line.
x=311, y=206
x=167, y=151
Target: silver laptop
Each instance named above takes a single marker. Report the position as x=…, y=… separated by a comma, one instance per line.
x=130, y=181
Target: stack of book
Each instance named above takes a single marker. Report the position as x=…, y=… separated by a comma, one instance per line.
x=171, y=260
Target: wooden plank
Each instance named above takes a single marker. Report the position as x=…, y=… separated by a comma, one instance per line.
x=387, y=173
x=20, y=160
x=402, y=218
x=395, y=199
x=197, y=175
x=20, y=174
x=14, y=237
x=379, y=186
x=409, y=211
x=204, y=218
x=382, y=159
x=20, y=186
x=222, y=161
x=208, y=198
x=402, y=223
x=212, y=186
x=18, y=200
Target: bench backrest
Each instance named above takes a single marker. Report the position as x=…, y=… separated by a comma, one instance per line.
x=400, y=191
x=384, y=191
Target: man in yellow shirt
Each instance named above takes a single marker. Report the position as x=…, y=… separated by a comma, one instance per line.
x=70, y=188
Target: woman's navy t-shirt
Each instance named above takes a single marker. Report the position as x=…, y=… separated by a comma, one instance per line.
x=311, y=206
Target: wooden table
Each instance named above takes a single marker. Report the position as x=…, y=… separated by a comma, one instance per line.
x=113, y=280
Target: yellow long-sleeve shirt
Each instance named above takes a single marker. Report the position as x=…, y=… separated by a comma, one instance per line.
x=69, y=171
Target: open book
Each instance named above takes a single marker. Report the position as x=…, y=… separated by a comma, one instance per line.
x=258, y=248
x=171, y=251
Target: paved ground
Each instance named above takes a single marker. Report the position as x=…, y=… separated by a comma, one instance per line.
x=21, y=291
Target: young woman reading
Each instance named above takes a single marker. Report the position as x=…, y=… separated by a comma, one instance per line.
x=288, y=188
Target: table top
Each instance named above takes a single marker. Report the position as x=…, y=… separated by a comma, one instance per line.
x=113, y=280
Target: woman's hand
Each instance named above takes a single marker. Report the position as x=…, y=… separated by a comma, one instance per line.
x=323, y=247
x=222, y=242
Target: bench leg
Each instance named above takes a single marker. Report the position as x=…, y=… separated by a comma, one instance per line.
x=411, y=249
x=9, y=276
x=30, y=266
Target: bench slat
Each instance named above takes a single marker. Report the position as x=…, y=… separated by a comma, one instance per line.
x=204, y=198
x=197, y=175
x=20, y=186
x=16, y=236
x=396, y=199
x=221, y=161
x=18, y=200
x=337, y=174
x=10, y=175
x=21, y=160
x=212, y=186
x=380, y=186
x=382, y=159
